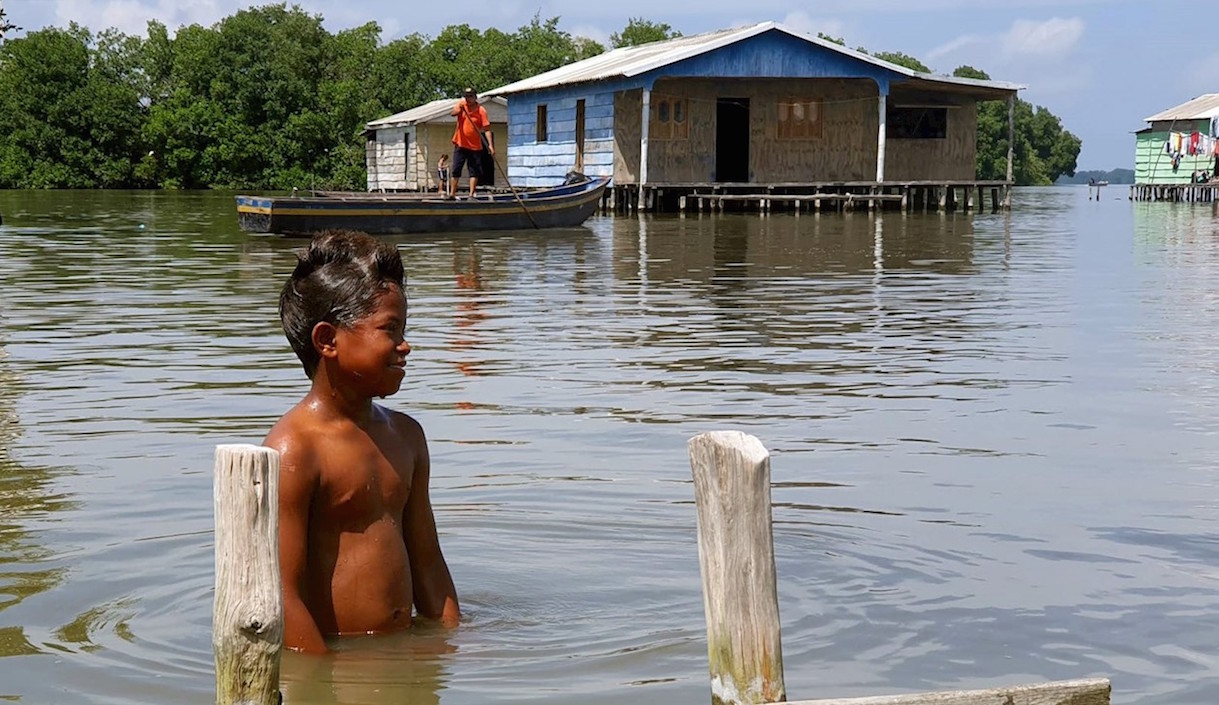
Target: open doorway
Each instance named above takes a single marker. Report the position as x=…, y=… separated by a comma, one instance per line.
x=580, y=135
x=732, y=140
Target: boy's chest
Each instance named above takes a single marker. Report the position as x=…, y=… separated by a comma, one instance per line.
x=363, y=483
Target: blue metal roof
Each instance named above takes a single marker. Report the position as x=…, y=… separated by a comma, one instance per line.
x=629, y=62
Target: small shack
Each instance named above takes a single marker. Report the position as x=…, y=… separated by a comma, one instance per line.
x=1178, y=146
x=402, y=149
x=757, y=110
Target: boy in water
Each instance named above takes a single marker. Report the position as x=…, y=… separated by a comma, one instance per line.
x=357, y=536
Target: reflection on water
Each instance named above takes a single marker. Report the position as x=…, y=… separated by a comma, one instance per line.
x=395, y=668
x=993, y=444
x=28, y=501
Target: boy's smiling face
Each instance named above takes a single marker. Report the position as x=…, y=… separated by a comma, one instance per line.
x=373, y=351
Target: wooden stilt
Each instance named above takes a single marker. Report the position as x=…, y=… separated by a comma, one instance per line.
x=247, y=610
x=736, y=556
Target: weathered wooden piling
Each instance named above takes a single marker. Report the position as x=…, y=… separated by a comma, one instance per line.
x=247, y=612
x=736, y=557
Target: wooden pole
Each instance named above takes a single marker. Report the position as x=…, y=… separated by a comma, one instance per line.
x=737, y=559
x=645, y=127
x=1011, y=148
x=1079, y=692
x=248, y=611
x=880, y=139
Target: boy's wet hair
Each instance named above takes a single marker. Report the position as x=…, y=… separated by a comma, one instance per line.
x=337, y=279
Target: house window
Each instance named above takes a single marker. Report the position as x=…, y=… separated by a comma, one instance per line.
x=799, y=119
x=913, y=123
x=541, y=123
x=670, y=118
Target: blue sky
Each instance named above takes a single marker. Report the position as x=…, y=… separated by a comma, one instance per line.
x=1100, y=65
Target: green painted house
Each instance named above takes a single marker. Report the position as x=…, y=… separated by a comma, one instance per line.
x=1157, y=160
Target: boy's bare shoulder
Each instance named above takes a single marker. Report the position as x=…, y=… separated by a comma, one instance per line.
x=294, y=436
x=404, y=424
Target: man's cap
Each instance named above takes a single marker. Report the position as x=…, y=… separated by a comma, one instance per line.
x=469, y=91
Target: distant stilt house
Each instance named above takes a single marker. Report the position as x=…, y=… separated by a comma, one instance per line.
x=402, y=149
x=1175, y=155
x=751, y=112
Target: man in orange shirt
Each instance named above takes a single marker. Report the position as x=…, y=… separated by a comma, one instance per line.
x=468, y=145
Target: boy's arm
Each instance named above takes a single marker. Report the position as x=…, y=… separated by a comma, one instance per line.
x=435, y=595
x=296, y=483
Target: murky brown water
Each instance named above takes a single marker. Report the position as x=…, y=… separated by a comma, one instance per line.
x=994, y=447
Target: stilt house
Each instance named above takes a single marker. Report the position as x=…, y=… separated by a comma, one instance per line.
x=1178, y=144
x=402, y=149
x=761, y=106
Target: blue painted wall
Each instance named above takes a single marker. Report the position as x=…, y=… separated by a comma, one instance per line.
x=533, y=163
x=772, y=54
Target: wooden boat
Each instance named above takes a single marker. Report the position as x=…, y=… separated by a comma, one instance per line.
x=564, y=206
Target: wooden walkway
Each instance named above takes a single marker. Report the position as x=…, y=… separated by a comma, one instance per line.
x=811, y=197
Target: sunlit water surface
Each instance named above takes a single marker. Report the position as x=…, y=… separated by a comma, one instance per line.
x=993, y=447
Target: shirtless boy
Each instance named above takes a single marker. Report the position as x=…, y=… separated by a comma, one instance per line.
x=357, y=536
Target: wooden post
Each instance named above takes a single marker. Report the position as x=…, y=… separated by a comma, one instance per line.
x=880, y=139
x=248, y=610
x=736, y=555
x=1080, y=692
x=1011, y=146
x=643, y=145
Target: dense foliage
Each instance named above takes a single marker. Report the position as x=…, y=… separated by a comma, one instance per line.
x=1043, y=150
x=268, y=98
x=265, y=98
x=640, y=31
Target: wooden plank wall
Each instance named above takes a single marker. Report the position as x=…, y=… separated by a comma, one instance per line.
x=627, y=133
x=953, y=158
x=534, y=163
x=1152, y=165
x=404, y=158
x=387, y=160
x=846, y=150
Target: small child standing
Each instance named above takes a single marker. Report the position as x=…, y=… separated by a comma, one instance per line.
x=358, y=546
x=442, y=174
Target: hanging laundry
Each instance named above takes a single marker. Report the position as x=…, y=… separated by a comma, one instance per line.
x=1193, y=142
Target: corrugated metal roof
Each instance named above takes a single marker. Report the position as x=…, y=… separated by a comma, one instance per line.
x=626, y=62
x=438, y=111
x=1203, y=107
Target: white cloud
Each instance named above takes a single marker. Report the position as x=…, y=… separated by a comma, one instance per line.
x=955, y=46
x=801, y=22
x=592, y=32
x=1051, y=37
x=132, y=16
x=1029, y=47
